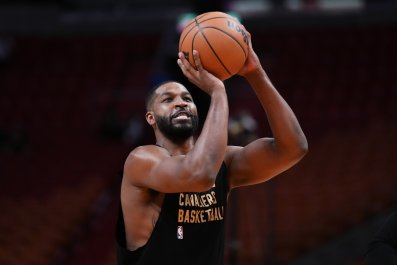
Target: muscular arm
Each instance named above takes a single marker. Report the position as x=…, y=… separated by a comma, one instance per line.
x=153, y=167
x=267, y=157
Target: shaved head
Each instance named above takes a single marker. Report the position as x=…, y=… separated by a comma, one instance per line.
x=150, y=96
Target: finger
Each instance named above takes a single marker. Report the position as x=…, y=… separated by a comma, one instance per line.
x=187, y=70
x=182, y=58
x=182, y=66
x=186, y=63
x=197, y=61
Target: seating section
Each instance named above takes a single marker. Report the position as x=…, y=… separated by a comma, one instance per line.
x=340, y=83
x=328, y=194
x=41, y=230
x=56, y=92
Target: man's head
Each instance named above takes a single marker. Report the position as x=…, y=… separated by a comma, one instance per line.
x=171, y=110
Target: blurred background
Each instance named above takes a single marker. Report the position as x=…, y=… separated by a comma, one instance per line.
x=73, y=75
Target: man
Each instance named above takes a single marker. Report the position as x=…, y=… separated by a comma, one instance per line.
x=174, y=193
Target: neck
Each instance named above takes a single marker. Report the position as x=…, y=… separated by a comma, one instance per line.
x=176, y=147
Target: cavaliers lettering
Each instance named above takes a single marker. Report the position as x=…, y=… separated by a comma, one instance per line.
x=205, y=209
x=197, y=200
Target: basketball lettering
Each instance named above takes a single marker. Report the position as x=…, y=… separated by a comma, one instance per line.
x=238, y=29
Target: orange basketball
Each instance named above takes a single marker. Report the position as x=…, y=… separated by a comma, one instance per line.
x=221, y=41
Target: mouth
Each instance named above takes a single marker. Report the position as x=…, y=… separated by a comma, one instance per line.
x=182, y=115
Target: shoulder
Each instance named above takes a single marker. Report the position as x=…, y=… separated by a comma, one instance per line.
x=146, y=153
x=231, y=154
x=142, y=158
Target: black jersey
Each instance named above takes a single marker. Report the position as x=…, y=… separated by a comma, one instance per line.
x=189, y=231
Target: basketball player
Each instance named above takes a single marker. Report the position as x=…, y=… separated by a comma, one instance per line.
x=174, y=192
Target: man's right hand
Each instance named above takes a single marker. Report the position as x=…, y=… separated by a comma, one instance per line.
x=200, y=77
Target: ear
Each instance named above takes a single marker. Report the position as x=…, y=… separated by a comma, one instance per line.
x=150, y=118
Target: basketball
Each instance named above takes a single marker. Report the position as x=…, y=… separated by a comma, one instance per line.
x=221, y=41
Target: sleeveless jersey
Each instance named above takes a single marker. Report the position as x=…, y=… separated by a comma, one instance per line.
x=189, y=231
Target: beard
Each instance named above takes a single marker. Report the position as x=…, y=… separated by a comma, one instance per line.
x=179, y=131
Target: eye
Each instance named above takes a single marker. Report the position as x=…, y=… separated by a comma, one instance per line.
x=188, y=99
x=167, y=100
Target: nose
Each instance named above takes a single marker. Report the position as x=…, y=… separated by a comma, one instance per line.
x=180, y=103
